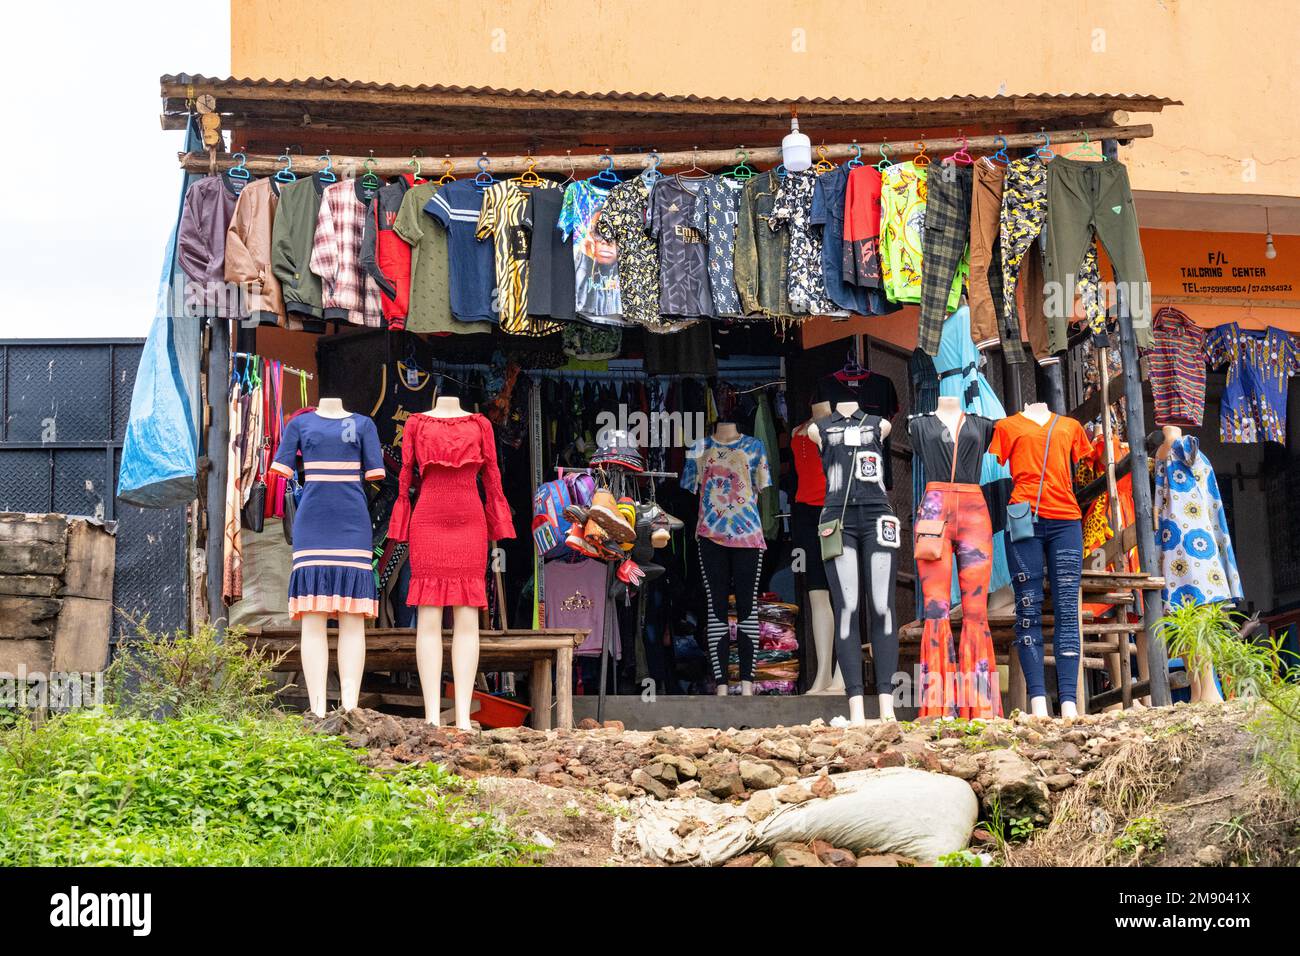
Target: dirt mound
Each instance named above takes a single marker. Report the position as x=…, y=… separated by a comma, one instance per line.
x=1169, y=786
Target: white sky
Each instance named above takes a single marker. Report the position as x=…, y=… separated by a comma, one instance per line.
x=81, y=248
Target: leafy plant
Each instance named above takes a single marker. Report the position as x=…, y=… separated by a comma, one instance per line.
x=1142, y=835
x=964, y=858
x=1251, y=670
x=184, y=673
x=90, y=788
x=1022, y=828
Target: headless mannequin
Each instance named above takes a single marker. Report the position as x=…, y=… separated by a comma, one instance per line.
x=314, y=646
x=464, y=631
x=820, y=612
x=1203, y=686
x=727, y=432
x=949, y=411
x=857, y=708
x=1040, y=414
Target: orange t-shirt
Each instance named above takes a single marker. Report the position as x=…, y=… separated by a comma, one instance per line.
x=1021, y=441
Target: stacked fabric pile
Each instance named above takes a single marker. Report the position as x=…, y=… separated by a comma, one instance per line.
x=776, y=664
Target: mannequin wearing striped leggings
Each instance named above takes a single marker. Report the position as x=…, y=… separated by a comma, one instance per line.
x=730, y=571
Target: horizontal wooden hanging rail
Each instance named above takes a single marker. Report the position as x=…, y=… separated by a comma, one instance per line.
x=433, y=166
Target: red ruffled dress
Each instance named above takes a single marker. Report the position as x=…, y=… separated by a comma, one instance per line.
x=450, y=526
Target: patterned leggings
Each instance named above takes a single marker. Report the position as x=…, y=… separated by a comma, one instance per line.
x=1024, y=215
x=730, y=571
x=964, y=682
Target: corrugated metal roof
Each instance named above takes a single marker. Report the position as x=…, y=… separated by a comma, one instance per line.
x=173, y=84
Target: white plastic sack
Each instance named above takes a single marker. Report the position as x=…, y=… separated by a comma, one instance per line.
x=896, y=810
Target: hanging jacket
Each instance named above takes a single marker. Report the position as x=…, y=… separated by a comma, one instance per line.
x=291, y=243
x=248, y=252
x=347, y=293
x=201, y=247
x=385, y=256
x=1196, y=552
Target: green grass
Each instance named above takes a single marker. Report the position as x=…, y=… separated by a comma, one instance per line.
x=91, y=788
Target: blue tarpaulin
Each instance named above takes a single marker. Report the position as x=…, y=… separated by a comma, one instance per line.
x=160, y=449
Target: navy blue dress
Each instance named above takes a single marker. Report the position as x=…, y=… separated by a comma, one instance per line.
x=332, y=548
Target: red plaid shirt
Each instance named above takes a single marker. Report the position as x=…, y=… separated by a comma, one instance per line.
x=348, y=293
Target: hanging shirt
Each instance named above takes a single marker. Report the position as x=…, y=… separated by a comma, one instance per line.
x=1253, y=406
x=292, y=239
x=347, y=293
x=622, y=221
x=762, y=253
x=430, y=303
x=552, y=289
x=595, y=260
x=902, y=226
x=717, y=208
x=201, y=247
x=1196, y=553
x=728, y=478
x=828, y=209
x=861, y=250
x=1177, y=367
x=456, y=206
x=248, y=251
x=683, y=255
x=811, y=488
x=792, y=211
x=504, y=219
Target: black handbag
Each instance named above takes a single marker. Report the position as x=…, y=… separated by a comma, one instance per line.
x=292, y=492
x=255, y=507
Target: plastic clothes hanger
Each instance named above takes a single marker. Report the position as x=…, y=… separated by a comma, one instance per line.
x=240, y=169
x=823, y=165
x=962, y=156
x=286, y=175
x=1001, y=155
x=529, y=177
x=651, y=173
x=1087, y=150
x=448, y=174
x=327, y=174
x=369, y=180
x=1045, y=152
x=606, y=178
x=921, y=159
x=484, y=177
x=742, y=170
x=415, y=161
x=885, y=161
x=856, y=160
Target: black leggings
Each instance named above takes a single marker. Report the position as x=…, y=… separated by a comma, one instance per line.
x=730, y=571
x=867, y=567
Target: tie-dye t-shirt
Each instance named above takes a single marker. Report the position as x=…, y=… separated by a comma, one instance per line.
x=728, y=478
x=595, y=260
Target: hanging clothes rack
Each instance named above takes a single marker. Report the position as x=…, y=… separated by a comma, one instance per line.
x=286, y=368
x=389, y=166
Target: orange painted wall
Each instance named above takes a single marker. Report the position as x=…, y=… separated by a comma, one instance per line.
x=1232, y=64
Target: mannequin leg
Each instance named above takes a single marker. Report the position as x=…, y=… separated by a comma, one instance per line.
x=314, y=650
x=428, y=660
x=979, y=693
x=822, y=623
x=747, y=568
x=352, y=659
x=464, y=660
x=881, y=550
x=844, y=574
x=715, y=568
x=938, y=656
x=1064, y=546
x=1026, y=564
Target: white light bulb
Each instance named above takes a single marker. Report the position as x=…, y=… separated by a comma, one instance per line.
x=1270, y=251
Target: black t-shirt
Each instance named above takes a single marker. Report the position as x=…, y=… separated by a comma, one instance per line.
x=873, y=392
x=683, y=254
x=932, y=441
x=551, y=278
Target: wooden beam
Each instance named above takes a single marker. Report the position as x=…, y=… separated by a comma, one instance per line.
x=387, y=166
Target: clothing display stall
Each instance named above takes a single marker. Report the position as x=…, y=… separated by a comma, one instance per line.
x=552, y=393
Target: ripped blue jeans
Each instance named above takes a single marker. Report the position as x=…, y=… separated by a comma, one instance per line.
x=1057, y=545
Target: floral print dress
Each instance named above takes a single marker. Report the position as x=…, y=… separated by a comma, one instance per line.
x=793, y=211
x=1195, y=547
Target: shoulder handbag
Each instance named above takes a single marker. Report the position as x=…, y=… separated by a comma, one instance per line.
x=830, y=534
x=292, y=492
x=930, y=531
x=1020, y=517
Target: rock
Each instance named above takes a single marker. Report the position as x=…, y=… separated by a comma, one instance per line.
x=502, y=735
x=832, y=855
x=512, y=756
x=619, y=791
x=820, y=749
x=1059, y=781
x=760, y=806
x=793, y=793
x=794, y=854
x=885, y=859
x=687, y=827
x=550, y=767
x=722, y=783
x=685, y=766
x=785, y=749
x=889, y=732
x=759, y=776
x=981, y=836
x=891, y=758
x=823, y=786
x=749, y=859
x=473, y=761
x=588, y=723
x=613, y=725
x=688, y=788
x=664, y=773
x=556, y=779
x=650, y=785
x=1209, y=856
x=1011, y=782
x=965, y=767
x=541, y=839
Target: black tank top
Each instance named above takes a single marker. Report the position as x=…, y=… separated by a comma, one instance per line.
x=842, y=458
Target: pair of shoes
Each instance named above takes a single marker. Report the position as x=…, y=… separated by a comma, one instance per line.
x=660, y=519
x=611, y=517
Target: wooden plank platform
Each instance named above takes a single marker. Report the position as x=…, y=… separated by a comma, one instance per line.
x=393, y=649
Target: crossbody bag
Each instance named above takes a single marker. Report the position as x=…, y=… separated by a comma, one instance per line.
x=1020, y=517
x=830, y=534
x=930, y=531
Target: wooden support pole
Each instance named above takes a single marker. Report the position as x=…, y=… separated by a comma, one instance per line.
x=386, y=166
x=218, y=436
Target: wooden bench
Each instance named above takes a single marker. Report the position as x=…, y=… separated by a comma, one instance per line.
x=393, y=649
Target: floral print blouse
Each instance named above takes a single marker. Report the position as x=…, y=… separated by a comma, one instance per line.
x=793, y=211
x=622, y=221
x=1253, y=407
